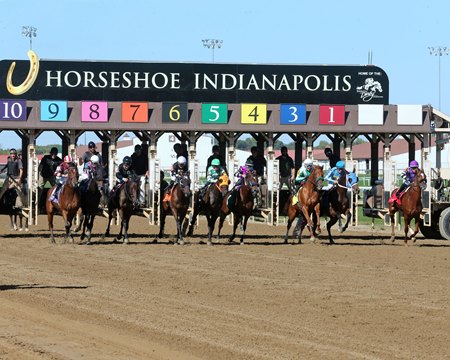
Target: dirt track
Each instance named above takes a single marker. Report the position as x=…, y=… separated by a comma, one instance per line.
x=355, y=300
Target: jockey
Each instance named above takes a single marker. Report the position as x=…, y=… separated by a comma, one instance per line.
x=241, y=174
x=303, y=173
x=61, y=176
x=408, y=175
x=334, y=175
x=179, y=169
x=124, y=172
x=215, y=170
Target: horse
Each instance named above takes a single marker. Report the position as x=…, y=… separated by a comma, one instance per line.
x=90, y=200
x=241, y=205
x=411, y=206
x=336, y=202
x=125, y=200
x=178, y=205
x=8, y=207
x=68, y=205
x=210, y=204
x=308, y=202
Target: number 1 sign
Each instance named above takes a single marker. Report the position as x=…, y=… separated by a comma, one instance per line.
x=332, y=115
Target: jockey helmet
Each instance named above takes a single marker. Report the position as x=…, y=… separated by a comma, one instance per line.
x=181, y=160
x=215, y=162
x=340, y=164
x=91, y=145
x=67, y=159
x=414, y=164
x=127, y=160
x=243, y=170
x=95, y=159
x=327, y=151
x=249, y=163
x=308, y=162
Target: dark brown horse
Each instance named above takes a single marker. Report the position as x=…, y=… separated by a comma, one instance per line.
x=308, y=202
x=90, y=200
x=336, y=202
x=241, y=205
x=178, y=205
x=210, y=204
x=411, y=206
x=68, y=205
x=125, y=200
x=8, y=207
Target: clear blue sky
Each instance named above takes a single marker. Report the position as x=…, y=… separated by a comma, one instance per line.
x=398, y=32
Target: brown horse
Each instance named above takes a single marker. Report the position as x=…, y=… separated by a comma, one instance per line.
x=68, y=205
x=90, y=200
x=241, y=205
x=308, y=202
x=336, y=202
x=178, y=206
x=125, y=200
x=411, y=206
x=210, y=204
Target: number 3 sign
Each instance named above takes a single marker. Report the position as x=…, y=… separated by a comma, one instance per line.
x=332, y=115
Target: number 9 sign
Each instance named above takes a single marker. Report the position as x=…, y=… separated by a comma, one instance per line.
x=53, y=110
x=174, y=112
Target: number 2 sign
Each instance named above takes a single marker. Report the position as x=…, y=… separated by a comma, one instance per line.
x=332, y=115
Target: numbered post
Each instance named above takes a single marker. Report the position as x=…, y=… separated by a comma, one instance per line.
x=254, y=114
x=53, y=110
x=292, y=114
x=13, y=110
x=332, y=115
x=134, y=112
x=174, y=112
x=214, y=113
x=94, y=111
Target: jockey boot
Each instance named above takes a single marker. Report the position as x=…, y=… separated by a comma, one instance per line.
x=55, y=195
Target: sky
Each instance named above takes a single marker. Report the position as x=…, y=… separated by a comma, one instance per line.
x=397, y=32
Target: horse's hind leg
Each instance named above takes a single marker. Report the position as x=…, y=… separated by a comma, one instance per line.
x=392, y=212
x=13, y=223
x=349, y=217
x=162, y=222
x=289, y=224
x=193, y=219
x=244, y=227
x=236, y=222
x=221, y=220
x=330, y=223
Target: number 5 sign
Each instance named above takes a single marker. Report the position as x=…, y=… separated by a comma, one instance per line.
x=214, y=113
x=332, y=115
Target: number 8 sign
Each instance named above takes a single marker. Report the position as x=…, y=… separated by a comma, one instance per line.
x=94, y=111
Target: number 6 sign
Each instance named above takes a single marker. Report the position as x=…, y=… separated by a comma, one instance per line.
x=332, y=115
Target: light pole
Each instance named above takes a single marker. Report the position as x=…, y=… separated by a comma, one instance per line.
x=439, y=51
x=29, y=31
x=212, y=44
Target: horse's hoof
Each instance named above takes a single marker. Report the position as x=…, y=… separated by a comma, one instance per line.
x=126, y=242
x=285, y=241
x=241, y=243
x=82, y=237
x=332, y=242
x=209, y=242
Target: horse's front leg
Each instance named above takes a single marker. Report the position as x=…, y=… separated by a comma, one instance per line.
x=50, y=226
x=121, y=215
x=110, y=211
x=211, y=224
x=90, y=225
x=236, y=222
x=310, y=225
x=349, y=217
x=193, y=218
x=392, y=212
x=416, y=230
x=317, y=225
x=162, y=222
x=244, y=228
x=13, y=223
x=222, y=217
x=180, y=219
x=126, y=223
x=81, y=218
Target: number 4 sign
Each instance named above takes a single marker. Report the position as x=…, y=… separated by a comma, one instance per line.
x=332, y=115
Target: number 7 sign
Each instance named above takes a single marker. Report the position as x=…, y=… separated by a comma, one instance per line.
x=332, y=115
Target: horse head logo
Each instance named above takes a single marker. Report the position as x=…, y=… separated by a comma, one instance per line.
x=369, y=89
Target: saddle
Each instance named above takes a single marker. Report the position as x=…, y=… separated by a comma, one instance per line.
x=398, y=199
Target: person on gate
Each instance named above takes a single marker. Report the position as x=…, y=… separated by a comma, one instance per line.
x=216, y=155
x=214, y=172
x=334, y=175
x=303, y=173
x=259, y=163
x=47, y=168
x=333, y=158
x=408, y=175
x=123, y=174
x=287, y=168
x=14, y=172
x=179, y=169
x=90, y=171
x=61, y=176
x=140, y=166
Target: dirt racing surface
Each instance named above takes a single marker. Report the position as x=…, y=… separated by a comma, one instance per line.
x=357, y=299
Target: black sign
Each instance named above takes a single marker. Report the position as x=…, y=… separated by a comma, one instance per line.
x=194, y=82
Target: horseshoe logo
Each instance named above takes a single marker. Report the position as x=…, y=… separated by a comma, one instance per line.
x=31, y=77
